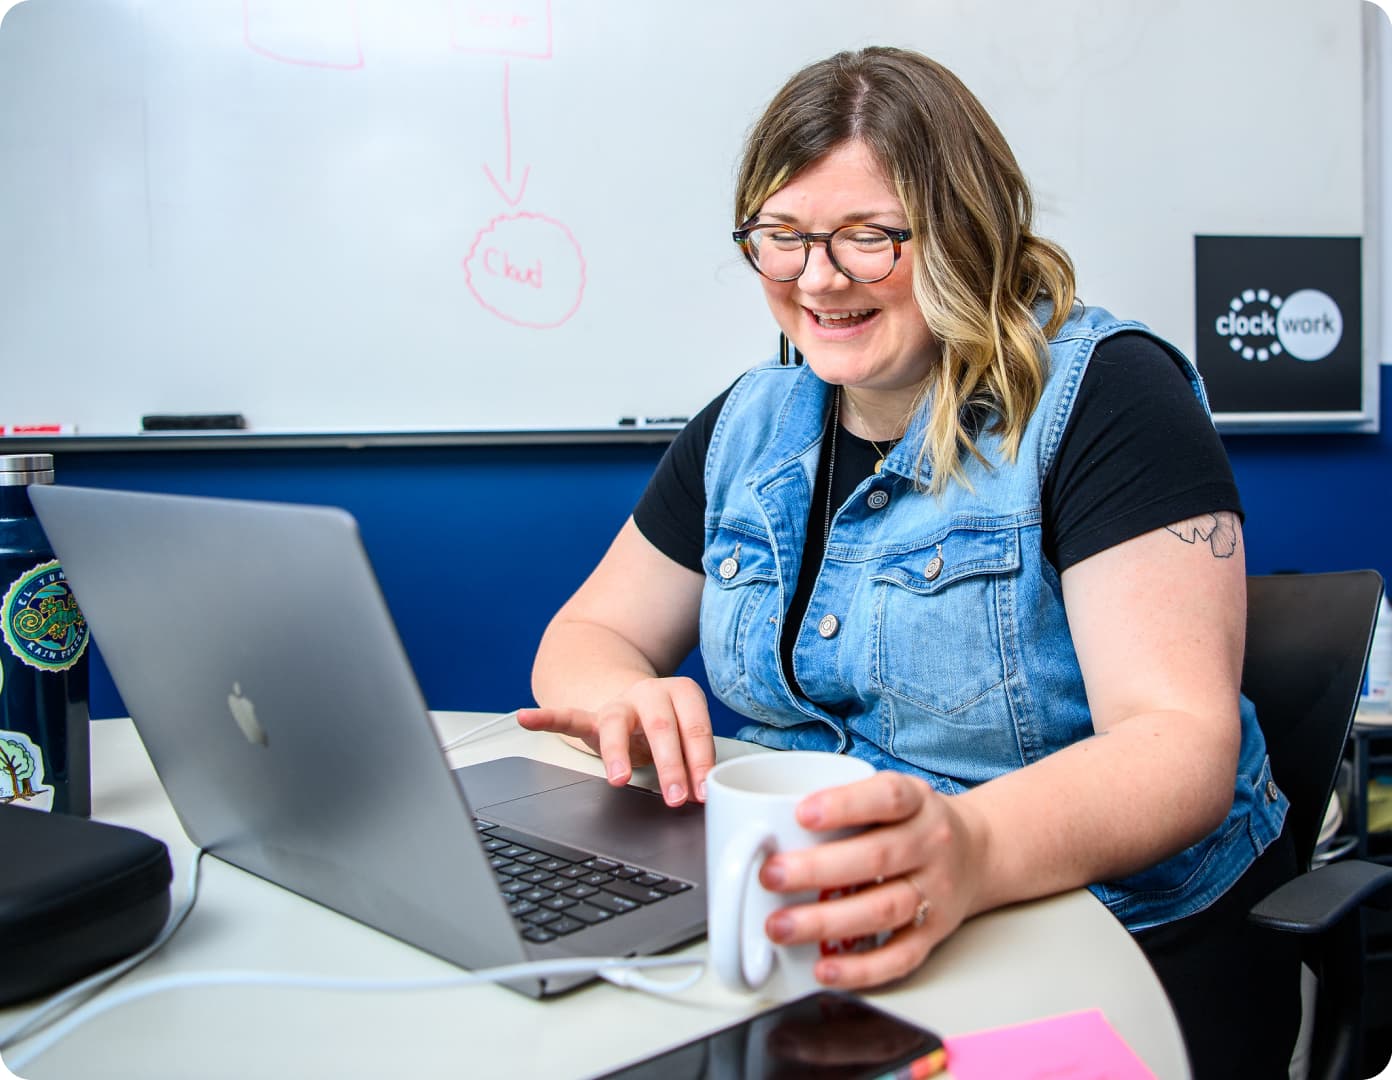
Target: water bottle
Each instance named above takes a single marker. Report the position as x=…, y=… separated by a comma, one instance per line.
x=1377, y=684
x=44, y=746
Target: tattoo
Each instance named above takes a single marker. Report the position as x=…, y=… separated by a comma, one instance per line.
x=1220, y=530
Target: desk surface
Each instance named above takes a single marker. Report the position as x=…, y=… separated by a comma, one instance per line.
x=1033, y=960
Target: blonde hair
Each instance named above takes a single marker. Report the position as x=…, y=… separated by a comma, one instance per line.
x=979, y=270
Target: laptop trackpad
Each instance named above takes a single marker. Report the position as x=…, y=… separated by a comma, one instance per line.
x=628, y=824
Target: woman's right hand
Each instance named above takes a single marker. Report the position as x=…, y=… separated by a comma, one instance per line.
x=659, y=721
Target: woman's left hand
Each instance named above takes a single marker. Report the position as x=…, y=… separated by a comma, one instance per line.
x=910, y=874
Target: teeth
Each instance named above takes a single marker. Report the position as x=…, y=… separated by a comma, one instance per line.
x=833, y=316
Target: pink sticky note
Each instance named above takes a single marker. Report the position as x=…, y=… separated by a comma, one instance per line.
x=1076, y=1046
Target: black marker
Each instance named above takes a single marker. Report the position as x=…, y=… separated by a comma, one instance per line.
x=653, y=421
x=193, y=422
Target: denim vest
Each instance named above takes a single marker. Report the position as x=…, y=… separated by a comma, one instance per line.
x=936, y=640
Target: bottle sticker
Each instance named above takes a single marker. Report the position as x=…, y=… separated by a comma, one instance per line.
x=41, y=621
x=22, y=772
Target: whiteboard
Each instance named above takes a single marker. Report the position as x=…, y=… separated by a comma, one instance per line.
x=478, y=215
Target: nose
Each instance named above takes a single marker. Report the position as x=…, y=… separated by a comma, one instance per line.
x=821, y=274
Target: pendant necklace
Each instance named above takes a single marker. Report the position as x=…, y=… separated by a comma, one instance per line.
x=831, y=466
x=879, y=454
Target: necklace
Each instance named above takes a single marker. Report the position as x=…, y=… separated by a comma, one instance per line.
x=880, y=454
x=831, y=466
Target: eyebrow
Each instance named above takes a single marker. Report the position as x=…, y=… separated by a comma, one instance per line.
x=854, y=218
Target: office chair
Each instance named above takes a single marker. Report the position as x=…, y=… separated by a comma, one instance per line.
x=1308, y=637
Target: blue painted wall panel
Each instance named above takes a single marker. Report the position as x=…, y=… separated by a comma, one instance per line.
x=477, y=546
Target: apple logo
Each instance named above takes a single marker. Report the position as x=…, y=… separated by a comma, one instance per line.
x=244, y=712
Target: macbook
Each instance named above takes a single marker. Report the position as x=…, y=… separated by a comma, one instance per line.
x=253, y=647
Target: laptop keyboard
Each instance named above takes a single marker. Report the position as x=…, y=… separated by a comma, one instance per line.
x=553, y=890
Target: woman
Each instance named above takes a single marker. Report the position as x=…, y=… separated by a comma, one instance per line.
x=984, y=538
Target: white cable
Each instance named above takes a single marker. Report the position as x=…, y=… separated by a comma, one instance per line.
x=628, y=975
x=619, y=970
x=460, y=740
x=616, y=969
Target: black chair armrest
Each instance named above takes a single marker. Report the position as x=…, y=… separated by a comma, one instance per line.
x=1319, y=899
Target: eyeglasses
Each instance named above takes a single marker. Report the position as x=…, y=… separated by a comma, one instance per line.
x=863, y=251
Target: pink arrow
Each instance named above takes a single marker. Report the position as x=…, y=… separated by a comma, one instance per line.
x=502, y=189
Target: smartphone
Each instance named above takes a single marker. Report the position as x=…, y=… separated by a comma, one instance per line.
x=824, y=1036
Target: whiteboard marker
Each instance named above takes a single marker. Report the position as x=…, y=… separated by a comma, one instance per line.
x=653, y=421
x=38, y=429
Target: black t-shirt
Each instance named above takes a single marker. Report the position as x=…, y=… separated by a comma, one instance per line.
x=1139, y=453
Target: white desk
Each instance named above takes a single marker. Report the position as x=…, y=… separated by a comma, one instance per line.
x=1022, y=963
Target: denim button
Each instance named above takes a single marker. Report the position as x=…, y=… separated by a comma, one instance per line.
x=877, y=500
x=1272, y=791
x=729, y=567
x=828, y=626
x=934, y=567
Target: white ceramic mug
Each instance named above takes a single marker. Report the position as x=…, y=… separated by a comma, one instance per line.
x=750, y=814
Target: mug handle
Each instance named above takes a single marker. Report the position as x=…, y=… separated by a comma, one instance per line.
x=741, y=952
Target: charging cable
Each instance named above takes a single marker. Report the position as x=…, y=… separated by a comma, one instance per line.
x=477, y=730
x=619, y=970
x=61, y=1015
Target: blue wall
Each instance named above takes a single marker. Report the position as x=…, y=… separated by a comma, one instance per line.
x=477, y=546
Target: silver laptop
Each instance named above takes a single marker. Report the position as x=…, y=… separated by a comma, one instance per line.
x=256, y=654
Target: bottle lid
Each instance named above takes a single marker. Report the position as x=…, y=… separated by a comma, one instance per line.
x=16, y=469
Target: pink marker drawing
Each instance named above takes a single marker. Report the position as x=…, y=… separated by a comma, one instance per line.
x=502, y=27
x=510, y=199
x=307, y=33
x=527, y=269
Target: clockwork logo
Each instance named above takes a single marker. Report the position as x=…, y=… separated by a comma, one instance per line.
x=1260, y=324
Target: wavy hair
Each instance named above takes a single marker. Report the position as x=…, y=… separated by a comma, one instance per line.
x=979, y=270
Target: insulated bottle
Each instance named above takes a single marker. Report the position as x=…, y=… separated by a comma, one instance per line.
x=44, y=746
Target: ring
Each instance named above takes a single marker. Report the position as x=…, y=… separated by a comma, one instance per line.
x=920, y=915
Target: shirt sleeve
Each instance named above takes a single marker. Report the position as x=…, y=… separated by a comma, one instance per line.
x=1139, y=453
x=671, y=512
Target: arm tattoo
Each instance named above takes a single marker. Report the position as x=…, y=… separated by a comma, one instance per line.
x=1220, y=530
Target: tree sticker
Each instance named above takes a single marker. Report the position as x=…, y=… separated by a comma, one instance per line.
x=22, y=772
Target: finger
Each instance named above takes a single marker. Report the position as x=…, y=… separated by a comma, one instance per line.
x=697, y=737
x=901, y=955
x=578, y=722
x=658, y=718
x=857, y=917
x=885, y=797
x=848, y=922
x=614, y=725
x=881, y=853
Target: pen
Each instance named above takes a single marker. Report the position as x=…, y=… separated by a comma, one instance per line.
x=930, y=1064
x=653, y=421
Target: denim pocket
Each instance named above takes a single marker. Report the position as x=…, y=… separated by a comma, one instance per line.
x=943, y=608
x=741, y=586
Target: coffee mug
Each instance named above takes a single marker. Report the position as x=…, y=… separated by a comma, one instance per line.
x=751, y=805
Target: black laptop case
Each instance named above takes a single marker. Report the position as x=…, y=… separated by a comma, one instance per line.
x=75, y=896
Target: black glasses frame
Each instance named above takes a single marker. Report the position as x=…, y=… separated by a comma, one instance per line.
x=896, y=237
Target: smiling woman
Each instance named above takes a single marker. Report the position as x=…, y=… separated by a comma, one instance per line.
x=956, y=540
x=862, y=331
